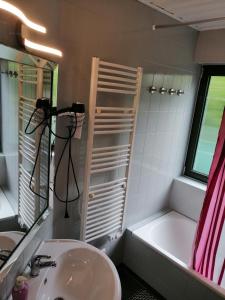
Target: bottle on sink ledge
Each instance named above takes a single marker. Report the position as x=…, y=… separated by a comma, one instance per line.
x=20, y=290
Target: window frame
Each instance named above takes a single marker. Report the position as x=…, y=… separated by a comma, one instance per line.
x=207, y=72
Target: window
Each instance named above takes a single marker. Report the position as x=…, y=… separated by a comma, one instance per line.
x=208, y=115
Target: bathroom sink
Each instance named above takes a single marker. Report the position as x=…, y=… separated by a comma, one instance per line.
x=9, y=239
x=82, y=272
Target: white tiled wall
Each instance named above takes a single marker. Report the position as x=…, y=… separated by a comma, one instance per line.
x=160, y=143
x=187, y=197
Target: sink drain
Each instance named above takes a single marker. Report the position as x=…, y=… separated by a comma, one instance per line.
x=59, y=298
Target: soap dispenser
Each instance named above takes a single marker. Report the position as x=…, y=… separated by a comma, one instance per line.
x=20, y=290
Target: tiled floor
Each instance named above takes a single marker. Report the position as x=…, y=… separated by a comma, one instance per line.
x=133, y=288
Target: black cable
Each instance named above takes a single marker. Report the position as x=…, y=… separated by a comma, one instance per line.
x=35, y=128
x=68, y=140
x=70, y=160
x=39, y=147
x=35, y=164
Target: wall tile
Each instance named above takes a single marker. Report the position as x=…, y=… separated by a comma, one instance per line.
x=160, y=144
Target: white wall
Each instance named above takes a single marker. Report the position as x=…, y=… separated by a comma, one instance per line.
x=160, y=143
x=210, y=48
x=118, y=31
x=187, y=197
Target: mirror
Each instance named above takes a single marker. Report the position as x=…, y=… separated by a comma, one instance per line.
x=24, y=151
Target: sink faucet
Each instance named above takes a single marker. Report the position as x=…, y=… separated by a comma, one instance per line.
x=4, y=254
x=37, y=264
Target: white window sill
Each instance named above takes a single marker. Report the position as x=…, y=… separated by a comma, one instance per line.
x=193, y=183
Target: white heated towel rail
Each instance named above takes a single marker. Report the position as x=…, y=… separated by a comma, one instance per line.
x=104, y=203
x=29, y=204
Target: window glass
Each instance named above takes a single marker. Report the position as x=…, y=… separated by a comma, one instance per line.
x=215, y=102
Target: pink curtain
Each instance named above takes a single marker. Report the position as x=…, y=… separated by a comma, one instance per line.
x=210, y=226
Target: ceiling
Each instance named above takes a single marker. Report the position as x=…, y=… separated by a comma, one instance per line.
x=192, y=10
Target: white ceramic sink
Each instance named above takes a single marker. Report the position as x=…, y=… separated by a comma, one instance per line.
x=82, y=273
x=9, y=240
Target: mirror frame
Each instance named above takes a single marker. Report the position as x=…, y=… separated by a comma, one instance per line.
x=18, y=56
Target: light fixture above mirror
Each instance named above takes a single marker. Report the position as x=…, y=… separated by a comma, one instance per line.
x=28, y=24
x=39, y=47
x=18, y=13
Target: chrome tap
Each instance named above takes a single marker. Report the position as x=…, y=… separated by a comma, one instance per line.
x=37, y=264
x=4, y=254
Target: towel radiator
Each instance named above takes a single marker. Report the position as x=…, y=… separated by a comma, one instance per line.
x=32, y=85
x=109, y=147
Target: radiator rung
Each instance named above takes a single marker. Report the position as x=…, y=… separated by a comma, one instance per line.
x=29, y=81
x=26, y=205
x=108, y=188
x=99, y=203
x=95, y=166
x=28, y=99
x=102, y=232
x=93, y=221
x=116, y=191
x=99, y=227
x=117, y=78
x=108, y=169
x=116, y=197
x=110, y=148
x=116, y=209
x=128, y=87
x=27, y=137
x=107, y=121
x=116, y=158
x=106, y=208
x=114, y=114
x=26, y=157
x=111, y=71
x=106, y=184
x=117, y=66
x=105, y=219
x=111, y=153
x=112, y=131
x=120, y=126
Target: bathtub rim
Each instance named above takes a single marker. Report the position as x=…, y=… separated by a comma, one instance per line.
x=181, y=265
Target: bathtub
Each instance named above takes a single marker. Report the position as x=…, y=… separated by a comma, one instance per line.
x=159, y=251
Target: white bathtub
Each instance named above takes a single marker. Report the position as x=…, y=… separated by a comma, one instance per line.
x=160, y=251
x=172, y=234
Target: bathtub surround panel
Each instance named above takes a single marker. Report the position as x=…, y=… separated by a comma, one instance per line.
x=160, y=142
x=163, y=275
x=187, y=196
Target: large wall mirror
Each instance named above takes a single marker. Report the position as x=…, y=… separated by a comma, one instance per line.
x=25, y=155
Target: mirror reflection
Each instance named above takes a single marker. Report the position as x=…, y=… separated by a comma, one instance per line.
x=24, y=152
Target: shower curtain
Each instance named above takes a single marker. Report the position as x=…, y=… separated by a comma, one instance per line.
x=209, y=247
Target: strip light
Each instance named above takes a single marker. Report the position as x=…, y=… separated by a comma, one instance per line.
x=42, y=48
x=17, y=12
